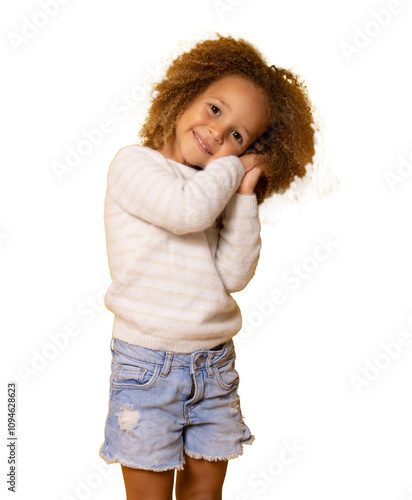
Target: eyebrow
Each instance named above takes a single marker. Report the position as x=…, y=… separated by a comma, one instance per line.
x=227, y=105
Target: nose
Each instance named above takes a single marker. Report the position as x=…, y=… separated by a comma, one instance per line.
x=217, y=131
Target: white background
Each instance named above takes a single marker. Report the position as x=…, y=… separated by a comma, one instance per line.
x=297, y=364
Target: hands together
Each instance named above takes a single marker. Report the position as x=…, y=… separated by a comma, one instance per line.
x=252, y=173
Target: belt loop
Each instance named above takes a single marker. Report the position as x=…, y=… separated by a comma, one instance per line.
x=167, y=364
x=209, y=364
x=111, y=344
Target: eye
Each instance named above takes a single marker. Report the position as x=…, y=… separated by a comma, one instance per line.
x=215, y=109
x=237, y=136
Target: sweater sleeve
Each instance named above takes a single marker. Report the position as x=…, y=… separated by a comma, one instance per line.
x=163, y=197
x=239, y=243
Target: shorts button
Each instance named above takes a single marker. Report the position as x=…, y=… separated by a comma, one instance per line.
x=200, y=360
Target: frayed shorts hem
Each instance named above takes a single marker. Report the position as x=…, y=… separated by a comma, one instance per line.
x=118, y=460
x=213, y=458
x=189, y=453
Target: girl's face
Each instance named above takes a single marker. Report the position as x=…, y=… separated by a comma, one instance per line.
x=224, y=120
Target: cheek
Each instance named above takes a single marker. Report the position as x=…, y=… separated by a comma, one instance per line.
x=232, y=149
x=200, y=114
x=185, y=122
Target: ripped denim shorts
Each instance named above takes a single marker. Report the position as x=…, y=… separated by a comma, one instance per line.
x=164, y=404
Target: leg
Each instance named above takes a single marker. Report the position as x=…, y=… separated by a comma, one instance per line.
x=201, y=479
x=148, y=485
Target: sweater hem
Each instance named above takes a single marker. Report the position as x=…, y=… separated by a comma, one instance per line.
x=124, y=331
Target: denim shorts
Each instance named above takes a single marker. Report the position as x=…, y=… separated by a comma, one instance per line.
x=163, y=404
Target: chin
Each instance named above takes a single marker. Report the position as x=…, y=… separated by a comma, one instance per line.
x=195, y=158
x=196, y=166
x=193, y=161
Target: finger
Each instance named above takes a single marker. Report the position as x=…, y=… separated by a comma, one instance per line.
x=249, y=162
x=254, y=173
x=251, y=178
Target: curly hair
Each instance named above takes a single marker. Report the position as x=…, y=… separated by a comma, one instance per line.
x=286, y=147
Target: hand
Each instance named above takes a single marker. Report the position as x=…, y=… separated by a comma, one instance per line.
x=252, y=174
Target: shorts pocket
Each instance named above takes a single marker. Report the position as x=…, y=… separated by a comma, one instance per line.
x=134, y=377
x=226, y=375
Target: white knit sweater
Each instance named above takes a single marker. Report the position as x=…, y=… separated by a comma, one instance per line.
x=172, y=269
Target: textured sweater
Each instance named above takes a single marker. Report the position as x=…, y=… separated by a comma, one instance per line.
x=173, y=266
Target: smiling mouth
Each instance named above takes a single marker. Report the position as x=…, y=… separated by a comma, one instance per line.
x=199, y=140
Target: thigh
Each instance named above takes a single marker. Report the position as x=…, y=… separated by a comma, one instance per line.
x=201, y=478
x=148, y=485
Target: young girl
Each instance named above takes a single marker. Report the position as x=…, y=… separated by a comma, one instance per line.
x=224, y=131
